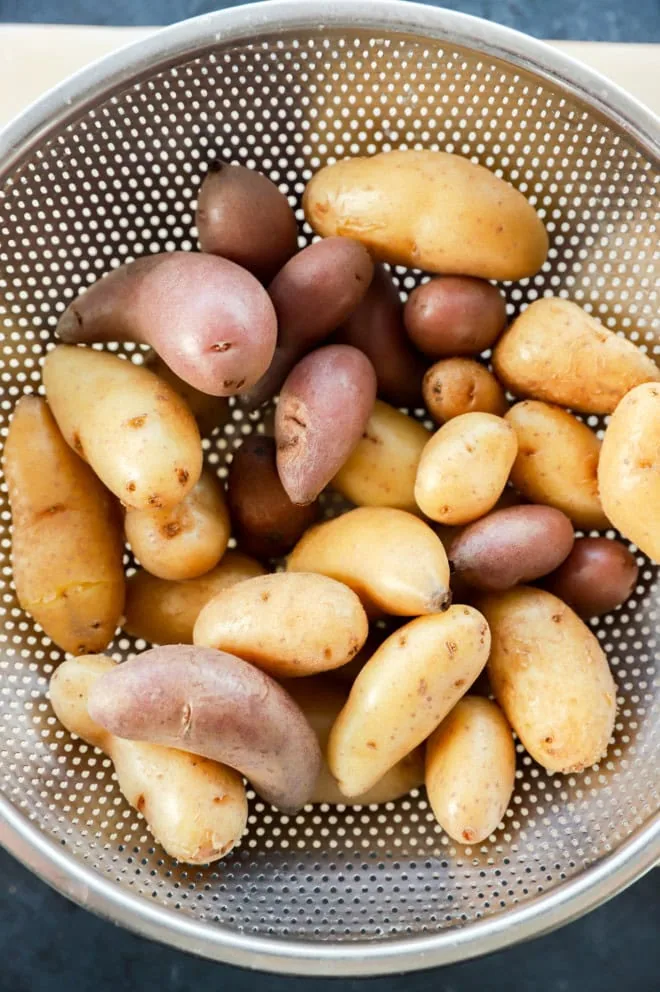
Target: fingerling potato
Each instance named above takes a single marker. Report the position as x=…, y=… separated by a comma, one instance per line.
x=597, y=577
x=67, y=542
x=132, y=428
x=161, y=783
x=459, y=385
x=454, y=315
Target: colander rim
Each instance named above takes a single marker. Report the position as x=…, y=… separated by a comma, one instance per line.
x=26, y=841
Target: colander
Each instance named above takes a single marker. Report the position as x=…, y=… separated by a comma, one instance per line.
x=106, y=167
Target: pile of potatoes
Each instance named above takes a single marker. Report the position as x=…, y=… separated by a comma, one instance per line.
x=331, y=661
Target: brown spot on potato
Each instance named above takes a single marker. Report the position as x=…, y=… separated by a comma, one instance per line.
x=403, y=640
x=50, y=511
x=240, y=383
x=370, y=437
x=468, y=835
x=422, y=687
x=265, y=596
x=221, y=346
x=130, y=487
x=452, y=648
x=219, y=799
x=227, y=383
x=171, y=529
x=296, y=420
x=96, y=625
x=155, y=500
x=327, y=653
x=459, y=683
x=556, y=618
x=77, y=443
x=548, y=740
x=287, y=442
x=372, y=745
x=136, y=422
x=140, y=802
x=183, y=475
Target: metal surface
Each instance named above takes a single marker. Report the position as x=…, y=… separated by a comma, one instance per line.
x=107, y=167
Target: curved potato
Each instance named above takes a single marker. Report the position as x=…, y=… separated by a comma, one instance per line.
x=210, y=412
x=162, y=783
x=510, y=546
x=454, y=315
x=429, y=210
x=376, y=327
x=405, y=690
x=551, y=678
x=459, y=385
x=629, y=469
x=556, y=351
x=382, y=468
x=288, y=624
x=390, y=558
x=557, y=462
x=244, y=217
x=186, y=540
x=321, y=700
x=67, y=544
x=266, y=523
x=131, y=427
x=471, y=770
x=218, y=706
x=164, y=612
x=322, y=412
x=465, y=467
x=207, y=318
x=597, y=577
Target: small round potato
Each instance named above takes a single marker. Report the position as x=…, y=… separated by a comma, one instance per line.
x=471, y=770
x=551, y=678
x=629, y=469
x=597, y=577
x=454, y=315
x=185, y=540
x=163, y=612
x=266, y=523
x=460, y=385
x=465, y=467
x=390, y=558
x=289, y=624
x=511, y=546
x=405, y=690
x=382, y=469
x=557, y=462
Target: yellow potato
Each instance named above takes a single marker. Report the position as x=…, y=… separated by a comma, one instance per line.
x=67, y=543
x=429, y=210
x=404, y=691
x=321, y=700
x=288, y=624
x=556, y=351
x=195, y=808
x=470, y=770
x=134, y=430
x=629, y=468
x=551, y=678
x=557, y=462
x=164, y=612
x=390, y=558
x=182, y=541
x=381, y=471
x=465, y=467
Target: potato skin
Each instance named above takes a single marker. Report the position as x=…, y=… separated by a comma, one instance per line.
x=556, y=351
x=323, y=410
x=321, y=700
x=551, y=678
x=382, y=468
x=210, y=412
x=376, y=328
x=208, y=319
x=390, y=558
x=163, y=612
x=454, y=315
x=244, y=217
x=163, y=784
x=459, y=385
x=288, y=624
x=132, y=428
x=266, y=523
x=470, y=770
x=186, y=540
x=429, y=210
x=67, y=541
x=557, y=462
x=511, y=546
x=597, y=577
x=221, y=707
x=405, y=690
x=465, y=467
x=629, y=469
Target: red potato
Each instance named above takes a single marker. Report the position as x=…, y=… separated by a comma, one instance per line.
x=376, y=328
x=597, y=577
x=207, y=318
x=210, y=703
x=454, y=315
x=244, y=217
x=322, y=413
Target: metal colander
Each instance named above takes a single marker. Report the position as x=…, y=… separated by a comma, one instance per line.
x=107, y=167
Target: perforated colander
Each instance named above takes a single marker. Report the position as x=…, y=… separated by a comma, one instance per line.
x=107, y=167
